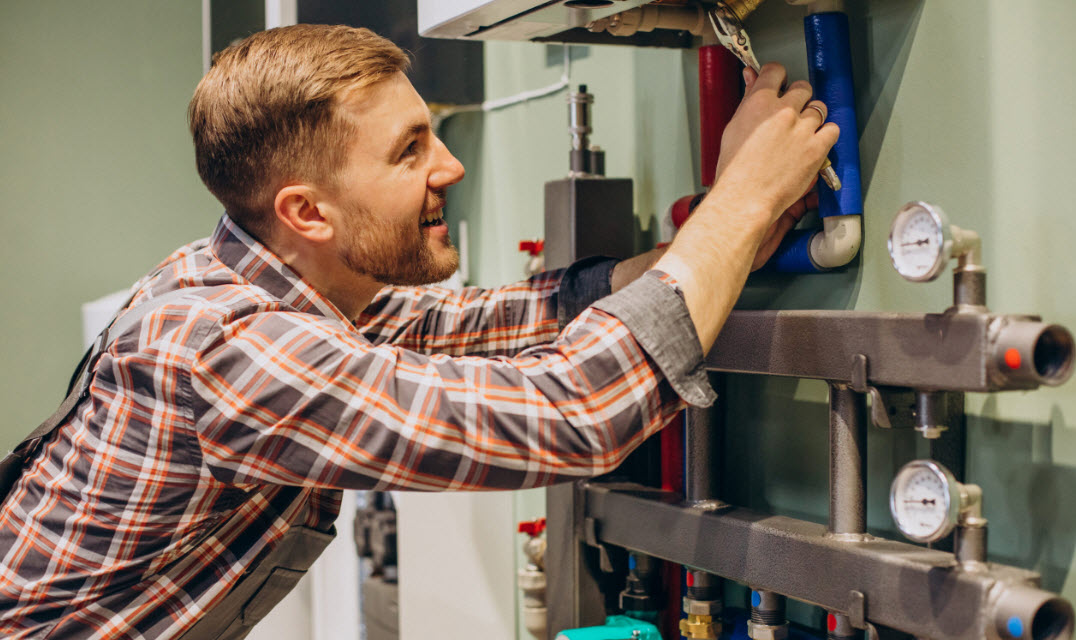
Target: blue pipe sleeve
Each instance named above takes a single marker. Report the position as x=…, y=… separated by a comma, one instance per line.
x=829, y=61
x=794, y=255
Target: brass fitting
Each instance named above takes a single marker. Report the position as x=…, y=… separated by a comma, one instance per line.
x=742, y=8
x=697, y=626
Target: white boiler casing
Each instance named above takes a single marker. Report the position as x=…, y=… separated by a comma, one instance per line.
x=509, y=19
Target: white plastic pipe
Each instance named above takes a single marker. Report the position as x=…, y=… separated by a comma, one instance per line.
x=838, y=241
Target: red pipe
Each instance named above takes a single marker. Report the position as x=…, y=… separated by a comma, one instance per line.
x=672, y=479
x=720, y=83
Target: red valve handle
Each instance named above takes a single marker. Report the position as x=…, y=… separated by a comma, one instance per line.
x=532, y=528
x=533, y=247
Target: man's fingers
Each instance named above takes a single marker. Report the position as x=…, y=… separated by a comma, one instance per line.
x=797, y=94
x=829, y=134
x=815, y=113
x=749, y=77
x=771, y=76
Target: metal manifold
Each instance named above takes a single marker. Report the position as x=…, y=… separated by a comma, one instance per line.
x=914, y=367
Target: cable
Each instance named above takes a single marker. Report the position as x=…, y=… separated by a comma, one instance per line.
x=519, y=98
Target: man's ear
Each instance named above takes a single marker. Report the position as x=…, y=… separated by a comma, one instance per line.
x=297, y=208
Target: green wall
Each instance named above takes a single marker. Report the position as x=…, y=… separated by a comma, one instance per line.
x=97, y=174
x=964, y=103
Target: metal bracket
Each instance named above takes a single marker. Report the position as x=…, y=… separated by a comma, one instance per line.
x=857, y=609
x=590, y=536
x=859, y=373
x=891, y=407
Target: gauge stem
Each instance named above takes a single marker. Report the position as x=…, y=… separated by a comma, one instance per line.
x=969, y=276
x=970, y=542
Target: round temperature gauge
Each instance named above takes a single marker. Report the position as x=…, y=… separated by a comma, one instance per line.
x=919, y=241
x=925, y=501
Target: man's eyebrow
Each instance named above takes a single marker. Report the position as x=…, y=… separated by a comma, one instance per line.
x=414, y=129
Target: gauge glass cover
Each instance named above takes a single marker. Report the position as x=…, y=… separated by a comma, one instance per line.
x=924, y=501
x=917, y=242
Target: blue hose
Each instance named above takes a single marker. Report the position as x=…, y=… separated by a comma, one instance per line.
x=829, y=60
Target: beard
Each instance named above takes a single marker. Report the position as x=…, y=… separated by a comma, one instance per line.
x=396, y=253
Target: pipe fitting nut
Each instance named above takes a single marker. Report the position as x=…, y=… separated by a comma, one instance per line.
x=757, y=631
x=699, y=626
x=694, y=607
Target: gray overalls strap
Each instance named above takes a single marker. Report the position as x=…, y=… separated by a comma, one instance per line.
x=79, y=387
x=266, y=582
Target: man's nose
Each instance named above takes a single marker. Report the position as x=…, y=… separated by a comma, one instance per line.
x=448, y=170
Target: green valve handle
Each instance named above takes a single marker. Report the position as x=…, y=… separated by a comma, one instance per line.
x=615, y=628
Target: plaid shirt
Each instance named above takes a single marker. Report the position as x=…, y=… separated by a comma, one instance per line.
x=258, y=397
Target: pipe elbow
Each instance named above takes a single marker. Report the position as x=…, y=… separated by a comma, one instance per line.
x=838, y=242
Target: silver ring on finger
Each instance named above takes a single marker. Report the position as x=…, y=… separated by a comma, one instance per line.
x=821, y=113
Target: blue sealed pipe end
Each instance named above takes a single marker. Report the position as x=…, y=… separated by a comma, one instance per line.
x=615, y=628
x=829, y=62
x=794, y=254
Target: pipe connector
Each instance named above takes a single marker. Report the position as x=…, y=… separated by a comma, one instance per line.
x=768, y=620
x=1022, y=612
x=649, y=17
x=742, y=8
x=819, y=6
x=1028, y=354
x=839, y=627
x=838, y=242
x=700, y=626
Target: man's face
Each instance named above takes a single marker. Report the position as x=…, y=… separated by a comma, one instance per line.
x=392, y=189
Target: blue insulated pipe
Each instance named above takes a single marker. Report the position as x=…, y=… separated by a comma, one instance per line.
x=829, y=61
x=794, y=256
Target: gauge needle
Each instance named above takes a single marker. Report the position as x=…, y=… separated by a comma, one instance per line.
x=923, y=501
x=917, y=243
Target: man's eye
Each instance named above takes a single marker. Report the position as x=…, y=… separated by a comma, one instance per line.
x=411, y=149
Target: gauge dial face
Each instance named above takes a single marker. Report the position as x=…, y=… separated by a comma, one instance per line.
x=917, y=242
x=924, y=501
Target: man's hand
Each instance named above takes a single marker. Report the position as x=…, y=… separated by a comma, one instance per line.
x=771, y=151
x=774, y=136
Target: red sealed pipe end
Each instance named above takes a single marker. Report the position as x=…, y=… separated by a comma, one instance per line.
x=681, y=210
x=720, y=90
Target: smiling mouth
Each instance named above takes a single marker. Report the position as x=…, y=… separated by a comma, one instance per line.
x=433, y=218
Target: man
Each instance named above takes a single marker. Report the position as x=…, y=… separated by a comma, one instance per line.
x=200, y=475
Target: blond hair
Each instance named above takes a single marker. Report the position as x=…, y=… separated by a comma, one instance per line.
x=265, y=115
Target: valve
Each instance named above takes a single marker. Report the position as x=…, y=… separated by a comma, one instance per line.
x=531, y=579
x=534, y=249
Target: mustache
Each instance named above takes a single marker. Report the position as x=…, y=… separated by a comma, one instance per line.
x=436, y=200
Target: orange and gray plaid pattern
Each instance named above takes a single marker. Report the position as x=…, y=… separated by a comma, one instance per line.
x=260, y=398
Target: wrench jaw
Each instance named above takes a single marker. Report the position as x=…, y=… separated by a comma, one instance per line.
x=731, y=34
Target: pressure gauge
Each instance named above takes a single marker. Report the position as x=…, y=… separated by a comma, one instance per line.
x=925, y=501
x=920, y=241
